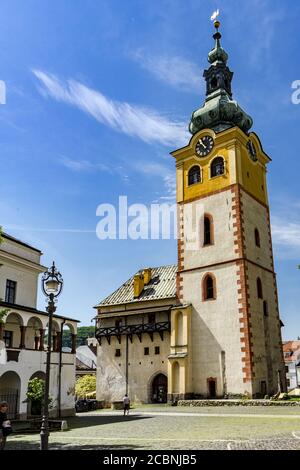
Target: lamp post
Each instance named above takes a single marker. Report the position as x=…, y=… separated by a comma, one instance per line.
x=52, y=283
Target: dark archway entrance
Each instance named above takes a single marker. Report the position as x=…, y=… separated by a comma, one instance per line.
x=159, y=389
x=10, y=385
x=212, y=387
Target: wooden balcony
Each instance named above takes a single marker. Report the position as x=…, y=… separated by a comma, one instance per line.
x=130, y=330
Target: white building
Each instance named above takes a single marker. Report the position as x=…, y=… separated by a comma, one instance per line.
x=291, y=352
x=22, y=336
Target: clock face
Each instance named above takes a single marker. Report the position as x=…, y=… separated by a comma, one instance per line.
x=204, y=146
x=251, y=150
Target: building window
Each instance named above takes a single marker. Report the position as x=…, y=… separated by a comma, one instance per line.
x=287, y=369
x=118, y=323
x=146, y=351
x=209, y=288
x=208, y=230
x=157, y=350
x=10, y=293
x=118, y=353
x=265, y=307
x=217, y=167
x=257, y=237
x=259, y=288
x=194, y=175
x=8, y=338
x=151, y=318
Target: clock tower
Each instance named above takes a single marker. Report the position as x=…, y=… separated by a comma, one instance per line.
x=225, y=330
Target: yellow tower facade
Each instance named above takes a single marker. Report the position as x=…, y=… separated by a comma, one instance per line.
x=225, y=330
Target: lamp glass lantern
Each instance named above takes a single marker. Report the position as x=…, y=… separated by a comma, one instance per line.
x=52, y=282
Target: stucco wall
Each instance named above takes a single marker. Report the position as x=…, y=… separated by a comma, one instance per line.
x=111, y=370
x=220, y=207
x=20, y=250
x=26, y=279
x=256, y=217
x=31, y=362
x=215, y=328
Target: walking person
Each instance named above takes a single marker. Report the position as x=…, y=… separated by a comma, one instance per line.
x=5, y=426
x=126, y=404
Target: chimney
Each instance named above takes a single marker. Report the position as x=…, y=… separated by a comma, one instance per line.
x=147, y=275
x=138, y=284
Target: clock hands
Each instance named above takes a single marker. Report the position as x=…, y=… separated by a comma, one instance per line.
x=204, y=145
x=201, y=142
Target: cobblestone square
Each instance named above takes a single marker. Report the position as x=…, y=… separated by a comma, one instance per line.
x=170, y=428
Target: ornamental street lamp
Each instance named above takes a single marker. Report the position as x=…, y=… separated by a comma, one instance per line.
x=52, y=283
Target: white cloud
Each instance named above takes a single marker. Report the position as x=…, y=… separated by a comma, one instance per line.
x=176, y=71
x=168, y=176
x=39, y=229
x=83, y=165
x=154, y=169
x=146, y=124
x=286, y=234
x=264, y=20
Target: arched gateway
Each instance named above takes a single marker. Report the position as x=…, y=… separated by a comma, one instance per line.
x=159, y=389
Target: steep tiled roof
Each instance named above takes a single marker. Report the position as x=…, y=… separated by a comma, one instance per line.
x=161, y=286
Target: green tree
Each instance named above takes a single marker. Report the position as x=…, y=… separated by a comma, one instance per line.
x=3, y=313
x=83, y=332
x=36, y=389
x=85, y=384
x=35, y=394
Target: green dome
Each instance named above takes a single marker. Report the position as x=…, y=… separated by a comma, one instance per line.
x=220, y=113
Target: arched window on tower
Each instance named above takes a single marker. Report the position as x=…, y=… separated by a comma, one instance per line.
x=217, y=167
x=259, y=288
x=257, y=237
x=194, y=175
x=208, y=230
x=209, y=287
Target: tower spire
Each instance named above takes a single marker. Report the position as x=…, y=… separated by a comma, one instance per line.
x=217, y=54
x=219, y=111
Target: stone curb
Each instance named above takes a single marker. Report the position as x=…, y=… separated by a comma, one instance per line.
x=237, y=403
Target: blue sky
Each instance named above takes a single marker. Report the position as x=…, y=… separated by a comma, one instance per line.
x=99, y=93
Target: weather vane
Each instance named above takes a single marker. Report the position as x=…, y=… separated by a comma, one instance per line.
x=214, y=17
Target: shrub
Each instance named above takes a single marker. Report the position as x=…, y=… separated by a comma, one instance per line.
x=35, y=394
x=85, y=384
